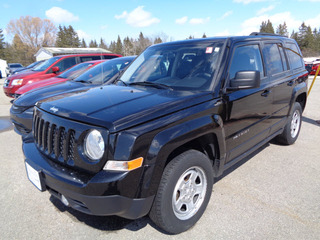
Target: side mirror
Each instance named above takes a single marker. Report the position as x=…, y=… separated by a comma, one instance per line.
x=55, y=69
x=245, y=80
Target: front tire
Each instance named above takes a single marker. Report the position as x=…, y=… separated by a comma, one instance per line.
x=184, y=192
x=292, y=129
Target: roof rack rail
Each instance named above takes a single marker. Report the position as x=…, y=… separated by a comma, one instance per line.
x=264, y=34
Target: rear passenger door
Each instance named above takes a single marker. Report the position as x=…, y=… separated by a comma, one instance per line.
x=248, y=111
x=282, y=81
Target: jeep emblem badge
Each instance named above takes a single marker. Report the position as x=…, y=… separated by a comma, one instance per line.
x=54, y=110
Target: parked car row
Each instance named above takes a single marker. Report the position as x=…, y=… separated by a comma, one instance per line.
x=151, y=139
x=78, y=78
x=49, y=68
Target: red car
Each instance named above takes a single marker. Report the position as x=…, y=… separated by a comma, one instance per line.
x=312, y=66
x=48, y=69
x=69, y=74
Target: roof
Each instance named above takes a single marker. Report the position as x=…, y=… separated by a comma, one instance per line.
x=60, y=51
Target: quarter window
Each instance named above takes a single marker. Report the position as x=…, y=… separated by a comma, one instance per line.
x=246, y=58
x=294, y=56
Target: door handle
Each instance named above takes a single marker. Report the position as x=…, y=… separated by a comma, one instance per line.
x=265, y=93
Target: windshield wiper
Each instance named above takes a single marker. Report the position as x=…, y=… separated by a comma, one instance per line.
x=151, y=84
x=82, y=81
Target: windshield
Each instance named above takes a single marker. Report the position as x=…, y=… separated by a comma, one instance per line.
x=104, y=71
x=43, y=66
x=75, y=71
x=181, y=67
x=34, y=64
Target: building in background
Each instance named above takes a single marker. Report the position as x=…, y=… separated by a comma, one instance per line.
x=48, y=52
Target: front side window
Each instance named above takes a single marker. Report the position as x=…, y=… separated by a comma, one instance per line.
x=246, y=58
x=180, y=67
x=66, y=63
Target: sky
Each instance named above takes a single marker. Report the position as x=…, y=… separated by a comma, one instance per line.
x=169, y=19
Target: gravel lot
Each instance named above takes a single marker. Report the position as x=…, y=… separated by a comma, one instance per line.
x=273, y=194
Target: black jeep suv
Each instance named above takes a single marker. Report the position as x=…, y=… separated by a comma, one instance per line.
x=182, y=113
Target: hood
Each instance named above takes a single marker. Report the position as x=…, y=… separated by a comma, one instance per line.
x=30, y=98
x=120, y=107
x=38, y=84
x=24, y=74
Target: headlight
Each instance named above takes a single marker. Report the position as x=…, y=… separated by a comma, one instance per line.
x=17, y=82
x=94, y=145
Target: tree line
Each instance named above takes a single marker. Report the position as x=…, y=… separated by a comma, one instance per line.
x=307, y=39
x=31, y=33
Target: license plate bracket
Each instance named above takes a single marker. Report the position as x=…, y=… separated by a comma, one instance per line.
x=34, y=177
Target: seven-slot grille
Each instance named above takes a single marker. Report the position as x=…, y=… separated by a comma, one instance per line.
x=54, y=141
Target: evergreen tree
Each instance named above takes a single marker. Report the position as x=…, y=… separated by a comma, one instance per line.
x=83, y=43
x=266, y=27
x=282, y=30
x=157, y=40
x=112, y=46
x=305, y=37
x=93, y=44
x=118, y=47
x=128, y=48
x=102, y=44
x=67, y=37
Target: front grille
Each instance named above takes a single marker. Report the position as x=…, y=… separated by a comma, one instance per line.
x=55, y=141
x=61, y=140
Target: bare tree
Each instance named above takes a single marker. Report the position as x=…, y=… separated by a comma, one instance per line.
x=33, y=31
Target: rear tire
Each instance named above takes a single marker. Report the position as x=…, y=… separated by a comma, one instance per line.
x=184, y=192
x=292, y=129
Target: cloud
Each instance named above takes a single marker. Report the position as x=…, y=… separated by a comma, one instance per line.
x=138, y=17
x=313, y=22
x=103, y=27
x=5, y=5
x=196, y=21
x=227, y=14
x=182, y=20
x=224, y=33
x=248, y=1
x=266, y=9
x=59, y=15
x=84, y=35
x=253, y=24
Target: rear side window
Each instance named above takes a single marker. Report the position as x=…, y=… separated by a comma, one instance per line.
x=89, y=58
x=246, y=58
x=295, y=58
x=273, y=58
x=108, y=56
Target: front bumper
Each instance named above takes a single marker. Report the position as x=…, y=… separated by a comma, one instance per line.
x=10, y=91
x=92, y=194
